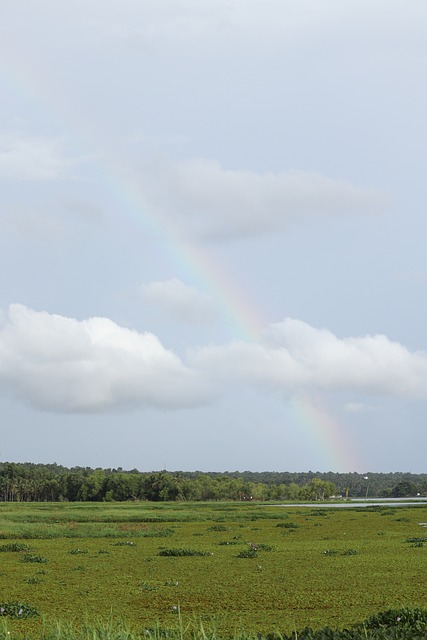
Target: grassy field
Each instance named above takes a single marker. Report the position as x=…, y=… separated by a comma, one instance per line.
x=261, y=568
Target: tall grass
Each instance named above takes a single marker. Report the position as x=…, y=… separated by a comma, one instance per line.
x=400, y=624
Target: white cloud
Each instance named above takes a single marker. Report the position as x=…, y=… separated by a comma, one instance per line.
x=32, y=157
x=295, y=356
x=179, y=301
x=206, y=200
x=61, y=364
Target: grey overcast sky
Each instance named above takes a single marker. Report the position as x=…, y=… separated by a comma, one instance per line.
x=213, y=234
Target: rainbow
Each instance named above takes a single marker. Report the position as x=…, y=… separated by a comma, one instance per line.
x=192, y=264
x=324, y=435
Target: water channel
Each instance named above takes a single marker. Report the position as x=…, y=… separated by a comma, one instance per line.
x=361, y=502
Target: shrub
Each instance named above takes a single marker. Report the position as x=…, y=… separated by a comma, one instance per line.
x=147, y=587
x=248, y=553
x=15, y=546
x=30, y=557
x=408, y=619
x=183, y=552
x=17, y=610
x=394, y=624
x=424, y=539
x=263, y=547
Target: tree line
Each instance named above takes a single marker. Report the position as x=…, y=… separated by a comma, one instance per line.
x=29, y=482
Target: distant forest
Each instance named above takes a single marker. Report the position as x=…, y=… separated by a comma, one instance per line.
x=28, y=482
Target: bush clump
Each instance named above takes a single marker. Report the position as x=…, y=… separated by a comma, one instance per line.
x=146, y=586
x=15, y=547
x=18, y=610
x=414, y=540
x=394, y=624
x=183, y=552
x=31, y=557
x=248, y=553
x=261, y=546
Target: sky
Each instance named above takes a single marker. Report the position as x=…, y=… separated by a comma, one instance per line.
x=212, y=234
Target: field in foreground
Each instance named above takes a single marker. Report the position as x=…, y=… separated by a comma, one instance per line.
x=256, y=567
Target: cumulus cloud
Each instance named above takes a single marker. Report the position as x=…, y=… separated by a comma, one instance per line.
x=295, y=356
x=179, y=301
x=62, y=364
x=32, y=157
x=208, y=201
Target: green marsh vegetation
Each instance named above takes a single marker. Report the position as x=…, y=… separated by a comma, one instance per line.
x=260, y=568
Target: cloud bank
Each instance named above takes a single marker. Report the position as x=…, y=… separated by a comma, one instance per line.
x=62, y=364
x=210, y=202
